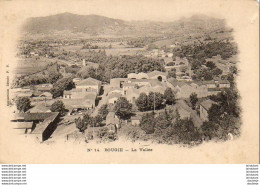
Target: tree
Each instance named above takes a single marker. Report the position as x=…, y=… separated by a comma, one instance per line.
x=123, y=108
x=193, y=100
x=185, y=132
x=54, y=76
x=217, y=71
x=23, y=104
x=56, y=91
x=82, y=124
x=169, y=96
x=214, y=113
x=58, y=106
x=147, y=123
x=211, y=65
x=163, y=121
x=103, y=111
x=142, y=102
x=61, y=85
x=97, y=121
x=158, y=103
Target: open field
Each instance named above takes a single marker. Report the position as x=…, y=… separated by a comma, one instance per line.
x=31, y=65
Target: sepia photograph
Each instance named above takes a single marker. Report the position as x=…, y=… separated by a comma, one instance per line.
x=130, y=82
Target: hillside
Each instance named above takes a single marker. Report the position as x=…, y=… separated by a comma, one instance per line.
x=95, y=25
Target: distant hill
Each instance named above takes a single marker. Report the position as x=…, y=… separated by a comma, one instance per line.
x=95, y=25
x=71, y=22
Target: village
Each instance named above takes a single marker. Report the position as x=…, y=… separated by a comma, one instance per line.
x=172, y=85
x=90, y=95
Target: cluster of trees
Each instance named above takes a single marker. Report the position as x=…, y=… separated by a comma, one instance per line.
x=58, y=106
x=74, y=69
x=207, y=73
x=23, y=104
x=105, y=135
x=118, y=66
x=103, y=111
x=61, y=85
x=88, y=121
x=141, y=42
x=49, y=74
x=123, y=108
x=224, y=116
x=96, y=73
x=169, y=128
x=155, y=100
x=202, y=50
x=198, y=52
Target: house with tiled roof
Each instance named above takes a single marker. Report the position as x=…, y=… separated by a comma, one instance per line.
x=40, y=125
x=112, y=122
x=137, y=76
x=185, y=89
x=210, y=83
x=117, y=82
x=115, y=90
x=132, y=94
x=161, y=76
x=85, y=103
x=46, y=96
x=89, y=84
x=113, y=97
x=39, y=108
x=204, y=108
x=213, y=91
x=43, y=88
x=223, y=84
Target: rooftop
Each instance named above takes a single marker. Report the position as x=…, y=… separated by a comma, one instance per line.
x=88, y=81
x=114, y=95
x=39, y=108
x=155, y=73
x=207, y=104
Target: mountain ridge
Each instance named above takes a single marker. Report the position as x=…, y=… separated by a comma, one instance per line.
x=95, y=25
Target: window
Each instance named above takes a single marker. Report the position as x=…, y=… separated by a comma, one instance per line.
x=159, y=78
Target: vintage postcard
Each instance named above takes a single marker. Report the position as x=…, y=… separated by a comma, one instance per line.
x=129, y=81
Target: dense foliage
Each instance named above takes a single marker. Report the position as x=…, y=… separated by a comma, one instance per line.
x=169, y=96
x=193, y=100
x=118, y=66
x=103, y=111
x=167, y=128
x=61, y=85
x=23, y=104
x=123, y=108
x=49, y=74
x=152, y=101
x=88, y=121
x=223, y=116
x=58, y=106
